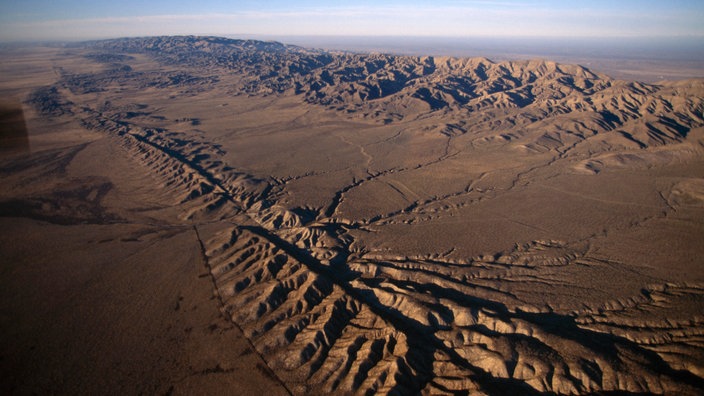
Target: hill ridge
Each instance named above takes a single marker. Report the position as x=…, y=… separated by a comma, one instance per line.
x=390, y=88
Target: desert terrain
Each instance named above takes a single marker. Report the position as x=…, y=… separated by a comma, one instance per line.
x=200, y=215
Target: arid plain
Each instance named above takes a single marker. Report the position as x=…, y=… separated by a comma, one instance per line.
x=192, y=215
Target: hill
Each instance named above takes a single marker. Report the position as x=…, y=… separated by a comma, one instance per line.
x=394, y=224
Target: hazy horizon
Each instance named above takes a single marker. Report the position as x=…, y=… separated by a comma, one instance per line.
x=646, y=59
x=77, y=20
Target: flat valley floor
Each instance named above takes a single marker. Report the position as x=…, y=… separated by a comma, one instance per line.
x=189, y=228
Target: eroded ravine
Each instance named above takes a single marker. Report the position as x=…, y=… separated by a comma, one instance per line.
x=330, y=324
x=329, y=317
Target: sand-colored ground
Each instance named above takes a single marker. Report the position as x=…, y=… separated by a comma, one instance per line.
x=211, y=216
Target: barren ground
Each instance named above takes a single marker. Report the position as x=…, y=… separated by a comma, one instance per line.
x=197, y=215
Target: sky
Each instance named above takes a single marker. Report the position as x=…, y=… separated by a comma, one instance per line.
x=24, y=20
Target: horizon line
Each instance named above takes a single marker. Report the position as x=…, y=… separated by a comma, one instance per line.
x=359, y=36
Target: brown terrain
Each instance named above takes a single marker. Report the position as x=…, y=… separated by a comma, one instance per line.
x=197, y=215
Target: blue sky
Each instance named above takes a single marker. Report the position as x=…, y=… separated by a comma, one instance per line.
x=87, y=19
